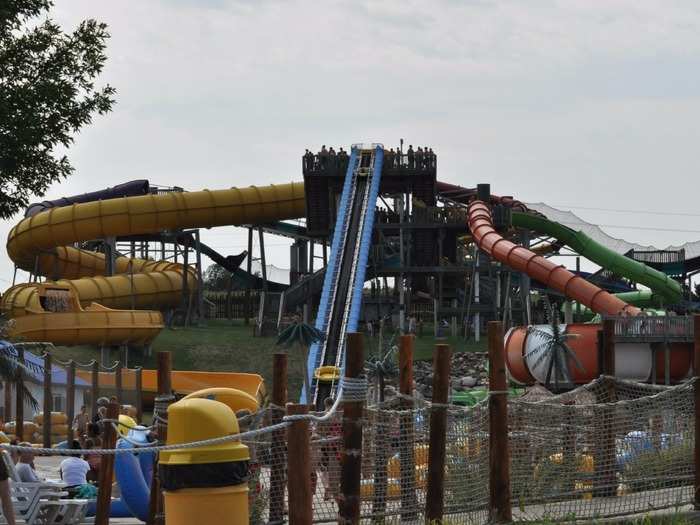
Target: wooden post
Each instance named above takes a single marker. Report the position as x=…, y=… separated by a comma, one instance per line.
x=409, y=501
x=499, y=453
x=119, y=387
x=696, y=374
x=48, y=402
x=351, y=460
x=604, y=481
x=95, y=376
x=249, y=266
x=277, y=447
x=165, y=370
x=70, y=399
x=164, y=377
x=609, y=347
x=299, y=468
x=7, y=416
x=138, y=388
x=104, y=493
x=19, y=398
x=568, y=443
x=434, y=499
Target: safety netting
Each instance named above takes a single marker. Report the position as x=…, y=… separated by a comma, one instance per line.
x=610, y=448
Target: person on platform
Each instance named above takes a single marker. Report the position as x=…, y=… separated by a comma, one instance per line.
x=332, y=158
x=389, y=158
x=411, y=155
x=323, y=157
x=342, y=159
x=419, y=158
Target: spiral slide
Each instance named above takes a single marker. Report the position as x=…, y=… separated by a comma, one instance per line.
x=87, y=308
x=633, y=360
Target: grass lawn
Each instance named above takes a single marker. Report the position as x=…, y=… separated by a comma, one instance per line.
x=231, y=347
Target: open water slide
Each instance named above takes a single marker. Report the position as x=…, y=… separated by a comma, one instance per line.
x=632, y=360
x=81, y=306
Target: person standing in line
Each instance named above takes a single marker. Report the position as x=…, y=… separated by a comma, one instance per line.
x=389, y=158
x=410, y=154
x=419, y=158
x=323, y=157
x=343, y=159
x=332, y=158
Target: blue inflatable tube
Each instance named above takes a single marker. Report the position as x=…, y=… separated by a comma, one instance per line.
x=133, y=473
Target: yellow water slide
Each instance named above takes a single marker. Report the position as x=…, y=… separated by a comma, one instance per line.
x=78, y=304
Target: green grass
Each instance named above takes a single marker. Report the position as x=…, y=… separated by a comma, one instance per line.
x=230, y=347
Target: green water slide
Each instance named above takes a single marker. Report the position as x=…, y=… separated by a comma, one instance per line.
x=660, y=284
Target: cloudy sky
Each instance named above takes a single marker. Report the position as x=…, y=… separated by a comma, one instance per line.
x=577, y=103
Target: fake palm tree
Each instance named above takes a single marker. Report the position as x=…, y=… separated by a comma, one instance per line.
x=11, y=367
x=302, y=336
x=382, y=365
x=554, y=351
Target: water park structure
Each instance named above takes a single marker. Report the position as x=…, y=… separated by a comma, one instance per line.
x=463, y=259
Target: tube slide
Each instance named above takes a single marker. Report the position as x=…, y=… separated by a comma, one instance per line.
x=539, y=268
x=91, y=305
x=632, y=360
x=582, y=244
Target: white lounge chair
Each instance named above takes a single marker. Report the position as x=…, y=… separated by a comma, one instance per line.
x=43, y=502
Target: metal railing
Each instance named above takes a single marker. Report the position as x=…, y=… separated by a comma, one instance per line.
x=654, y=328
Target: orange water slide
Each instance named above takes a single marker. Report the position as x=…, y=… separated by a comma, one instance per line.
x=632, y=360
x=554, y=276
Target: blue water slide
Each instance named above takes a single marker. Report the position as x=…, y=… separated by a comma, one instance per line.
x=333, y=261
x=365, y=244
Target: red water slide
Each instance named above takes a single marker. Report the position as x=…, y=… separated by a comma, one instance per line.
x=554, y=276
x=633, y=361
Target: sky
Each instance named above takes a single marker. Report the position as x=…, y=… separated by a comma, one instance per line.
x=577, y=103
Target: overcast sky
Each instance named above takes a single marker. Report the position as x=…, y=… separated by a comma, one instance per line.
x=574, y=103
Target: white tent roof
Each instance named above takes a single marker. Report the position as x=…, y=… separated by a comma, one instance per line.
x=567, y=218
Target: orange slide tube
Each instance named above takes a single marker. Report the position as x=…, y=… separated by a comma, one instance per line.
x=42, y=244
x=632, y=360
x=554, y=276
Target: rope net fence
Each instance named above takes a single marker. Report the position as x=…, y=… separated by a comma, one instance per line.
x=607, y=449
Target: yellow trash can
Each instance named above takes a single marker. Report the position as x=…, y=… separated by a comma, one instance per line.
x=205, y=484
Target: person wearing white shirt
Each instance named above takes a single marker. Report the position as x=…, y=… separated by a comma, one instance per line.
x=74, y=469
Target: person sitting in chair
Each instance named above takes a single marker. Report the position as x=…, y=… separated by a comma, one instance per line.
x=25, y=466
x=74, y=470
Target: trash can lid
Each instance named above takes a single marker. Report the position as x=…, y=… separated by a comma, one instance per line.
x=191, y=420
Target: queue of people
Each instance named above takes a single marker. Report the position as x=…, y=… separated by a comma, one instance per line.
x=328, y=158
x=325, y=159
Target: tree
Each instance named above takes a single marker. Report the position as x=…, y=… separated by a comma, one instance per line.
x=47, y=94
x=216, y=278
x=302, y=336
x=553, y=349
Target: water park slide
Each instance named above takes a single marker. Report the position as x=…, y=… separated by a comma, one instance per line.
x=42, y=243
x=633, y=360
x=341, y=296
x=585, y=246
